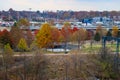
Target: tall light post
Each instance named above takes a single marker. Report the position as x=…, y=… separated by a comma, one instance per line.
x=9, y=15
x=57, y=15
x=30, y=14
x=117, y=59
x=18, y=14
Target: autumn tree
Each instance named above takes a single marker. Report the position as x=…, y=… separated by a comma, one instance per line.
x=5, y=37
x=61, y=37
x=55, y=36
x=66, y=32
x=99, y=30
x=22, y=45
x=8, y=49
x=80, y=36
x=23, y=23
x=104, y=31
x=43, y=37
x=115, y=30
x=89, y=35
x=75, y=29
x=29, y=38
x=51, y=22
x=16, y=34
x=35, y=32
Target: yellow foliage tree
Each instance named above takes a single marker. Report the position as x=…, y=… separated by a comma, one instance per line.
x=115, y=30
x=22, y=45
x=8, y=49
x=43, y=37
x=99, y=29
x=23, y=23
x=67, y=24
x=80, y=36
x=102, y=31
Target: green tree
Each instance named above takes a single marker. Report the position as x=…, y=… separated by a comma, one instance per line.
x=22, y=45
x=97, y=37
x=118, y=34
x=109, y=33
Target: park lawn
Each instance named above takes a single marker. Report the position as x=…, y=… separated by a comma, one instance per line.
x=87, y=48
x=113, y=46
x=96, y=47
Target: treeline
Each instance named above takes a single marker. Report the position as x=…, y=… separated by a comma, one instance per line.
x=20, y=38
x=62, y=15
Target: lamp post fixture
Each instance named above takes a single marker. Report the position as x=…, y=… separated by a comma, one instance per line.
x=30, y=19
x=117, y=60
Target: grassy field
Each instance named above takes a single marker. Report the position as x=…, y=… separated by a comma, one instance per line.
x=96, y=46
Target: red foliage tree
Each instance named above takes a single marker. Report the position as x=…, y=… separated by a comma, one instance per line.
x=16, y=34
x=66, y=32
x=55, y=35
x=89, y=35
x=29, y=37
x=75, y=29
x=35, y=32
x=5, y=37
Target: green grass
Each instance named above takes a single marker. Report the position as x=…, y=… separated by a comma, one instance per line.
x=87, y=48
x=97, y=46
x=113, y=46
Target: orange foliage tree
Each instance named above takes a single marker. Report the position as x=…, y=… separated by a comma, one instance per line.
x=66, y=33
x=102, y=31
x=55, y=35
x=115, y=30
x=43, y=37
x=99, y=30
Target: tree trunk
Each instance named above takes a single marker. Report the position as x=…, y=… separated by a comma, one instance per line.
x=65, y=47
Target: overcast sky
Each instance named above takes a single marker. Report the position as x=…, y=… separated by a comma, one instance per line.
x=75, y=5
